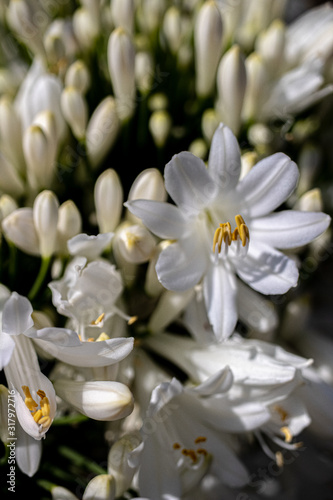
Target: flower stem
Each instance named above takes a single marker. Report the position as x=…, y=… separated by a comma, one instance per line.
x=40, y=277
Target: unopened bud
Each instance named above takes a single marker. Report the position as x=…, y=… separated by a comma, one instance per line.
x=108, y=196
x=118, y=462
x=78, y=76
x=75, y=110
x=45, y=215
x=135, y=244
x=69, y=225
x=159, y=126
x=256, y=83
x=101, y=487
x=122, y=12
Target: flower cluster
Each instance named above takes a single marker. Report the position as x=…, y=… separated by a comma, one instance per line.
x=165, y=201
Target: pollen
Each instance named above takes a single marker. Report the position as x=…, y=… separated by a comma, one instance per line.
x=287, y=434
x=98, y=320
x=40, y=415
x=223, y=237
x=200, y=439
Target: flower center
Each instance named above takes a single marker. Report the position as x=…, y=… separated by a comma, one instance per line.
x=192, y=463
x=40, y=415
x=240, y=238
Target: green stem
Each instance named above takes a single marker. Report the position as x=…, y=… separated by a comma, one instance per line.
x=40, y=277
x=81, y=461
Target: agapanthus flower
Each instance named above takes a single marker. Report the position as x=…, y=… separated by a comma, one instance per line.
x=207, y=246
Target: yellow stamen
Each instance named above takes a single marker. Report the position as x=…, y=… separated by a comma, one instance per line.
x=103, y=336
x=132, y=320
x=224, y=235
x=287, y=434
x=200, y=439
x=29, y=402
x=279, y=459
x=42, y=415
x=98, y=320
x=38, y=415
x=202, y=451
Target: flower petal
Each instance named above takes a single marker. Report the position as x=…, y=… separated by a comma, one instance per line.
x=163, y=219
x=220, y=291
x=268, y=184
x=28, y=452
x=7, y=346
x=89, y=246
x=16, y=317
x=289, y=228
x=267, y=270
x=19, y=228
x=224, y=158
x=58, y=336
x=189, y=183
x=178, y=269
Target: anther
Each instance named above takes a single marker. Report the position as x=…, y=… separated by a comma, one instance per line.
x=200, y=439
x=223, y=237
x=42, y=415
x=287, y=434
x=98, y=320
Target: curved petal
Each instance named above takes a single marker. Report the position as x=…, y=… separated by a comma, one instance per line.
x=220, y=291
x=58, y=336
x=178, y=269
x=7, y=346
x=90, y=354
x=224, y=158
x=19, y=228
x=268, y=184
x=89, y=246
x=289, y=228
x=28, y=452
x=189, y=183
x=16, y=316
x=267, y=270
x=163, y=219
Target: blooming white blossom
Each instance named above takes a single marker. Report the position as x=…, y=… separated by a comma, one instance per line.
x=205, y=248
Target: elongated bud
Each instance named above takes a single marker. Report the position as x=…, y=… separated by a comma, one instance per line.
x=207, y=45
x=118, y=462
x=256, y=84
x=270, y=45
x=198, y=148
x=311, y=201
x=122, y=12
x=18, y=228
x=101, y=487
x=78, y=76
x=22, y=18
x=75, y=110
x=61, y=493
x=99, y=400
x=10, y=181
x=134, y=243
x=10, y=133
x=172, y=28
x=231, y=85
x=149, y=15
x=121, y=62
x=153, y=286
x=47, y=122
x=144, y=71
x=102, y=130
x=148, y=185
x=209, y=123
x=7, y=206
x=38, y=152
x=159, y=126
x=86, y=28
x=108, y=196
x=69, y=225
x=45, y=215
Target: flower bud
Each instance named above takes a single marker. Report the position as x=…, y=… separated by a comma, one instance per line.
x=135, y=243
x=75, y=110
x=153, y=286
x=78, y=76
x=231, y=85
x=118, y=462
x=45, y=215
x=209, y=123
x=99, y=400
x=121, y=62
x=270, y=45
x=101, y=487
x=208, y=45
x=311, y=201
x=86, y=28
x=148, y=185
x=122, y=12
x=18, y=228
x=159, y=126
x=150, y=14
x=7, y=206
x=69, y=225
x=172, y=28
x=39, y=153
x=198, y=148
x=308, y=163
x=169, y=307
x=144, y=71
x=256, y=83
x=22, y=19
x=108, y=196
x=10, y=181
x=61, y=493
x=102, y=130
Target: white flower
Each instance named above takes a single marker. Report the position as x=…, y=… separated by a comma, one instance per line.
x=207, y=201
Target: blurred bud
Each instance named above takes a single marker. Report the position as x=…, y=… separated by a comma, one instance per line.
x=172, y=28
x=75, y=111
x=69, y=225
x=45, y=216
x=86, y=28
x=135, y=244
x=101, y=487
x=158, y=101
x=78, y=76
x=102, y=131
x=198, y=148
x=231, y=85
x=19, y=229
x=108, y=196
x=39, y=155
x=209, y=123
x=122, y=12
x=10, y=181
x=119, y=462
x=60, y=493
x=207, y=46
x=308, y=163
x=159, y=126
x=270, y=45
x=144, y=71
x=150, y=14
x=7, y=206
x=99, y=400
x=10, y=133
x=311, y=201
x=153, y=286
x=121, y=63
x=169, y=307
x=256, y=82
x=248, y=160
x=28, y=24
